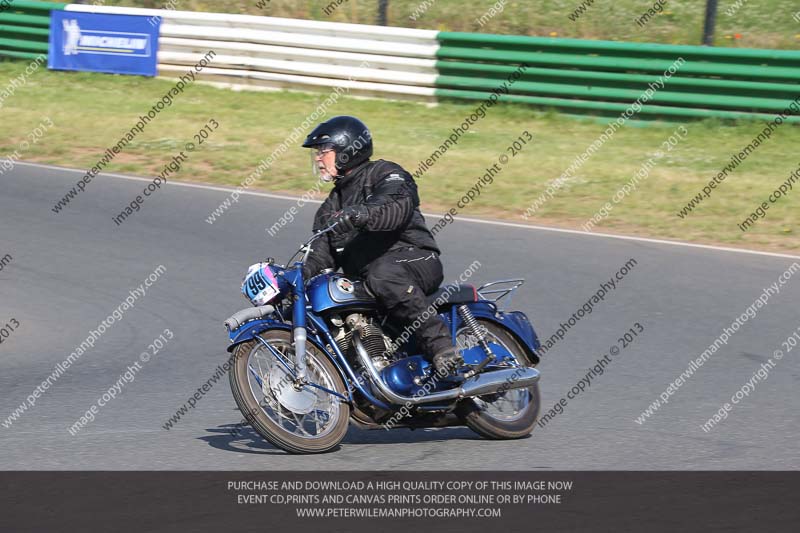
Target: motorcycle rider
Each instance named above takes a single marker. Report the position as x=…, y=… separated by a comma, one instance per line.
x=380, y=233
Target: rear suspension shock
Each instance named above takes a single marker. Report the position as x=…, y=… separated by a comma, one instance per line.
x=480, y=334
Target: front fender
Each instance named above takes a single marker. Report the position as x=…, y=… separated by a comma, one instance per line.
x=516, y=322
x=249, y=330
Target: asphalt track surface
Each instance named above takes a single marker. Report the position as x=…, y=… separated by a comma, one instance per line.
x=71, y=270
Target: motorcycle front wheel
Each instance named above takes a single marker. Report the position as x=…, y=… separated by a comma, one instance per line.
x=298, y=420
x=508, y=415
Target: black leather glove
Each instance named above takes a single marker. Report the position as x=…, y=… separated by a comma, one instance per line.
x=350, y=218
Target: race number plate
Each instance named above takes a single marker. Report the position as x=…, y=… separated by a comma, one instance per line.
x=260, y=285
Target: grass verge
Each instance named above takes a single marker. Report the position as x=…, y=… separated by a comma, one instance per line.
x=90, y=111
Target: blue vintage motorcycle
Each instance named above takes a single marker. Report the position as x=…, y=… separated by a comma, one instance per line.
x=313, y=355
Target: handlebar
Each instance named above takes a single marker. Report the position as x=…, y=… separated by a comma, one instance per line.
x=308, y=242
x=319, y=234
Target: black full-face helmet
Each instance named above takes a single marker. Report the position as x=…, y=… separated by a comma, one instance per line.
x=347, y=136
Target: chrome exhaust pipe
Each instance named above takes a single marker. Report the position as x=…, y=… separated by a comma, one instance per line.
x=486, y=383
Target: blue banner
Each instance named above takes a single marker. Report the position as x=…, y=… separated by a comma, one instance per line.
x=118, y=44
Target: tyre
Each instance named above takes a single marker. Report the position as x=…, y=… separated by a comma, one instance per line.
x=308, y=420
x=508, y=415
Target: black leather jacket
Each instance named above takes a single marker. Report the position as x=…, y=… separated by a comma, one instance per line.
x=394, y=221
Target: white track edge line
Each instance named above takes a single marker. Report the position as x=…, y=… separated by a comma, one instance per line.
x=465, y=219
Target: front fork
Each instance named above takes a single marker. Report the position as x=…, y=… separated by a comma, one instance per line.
x=299, y=327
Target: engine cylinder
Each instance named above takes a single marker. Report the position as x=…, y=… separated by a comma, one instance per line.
x=377, y=345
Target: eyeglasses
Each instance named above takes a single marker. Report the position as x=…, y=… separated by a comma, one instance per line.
x=322, y=150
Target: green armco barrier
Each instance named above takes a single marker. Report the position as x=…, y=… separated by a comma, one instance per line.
x=618, y=108
x=25, y=20
x=23, y=45
x=606, y=76
x=595, y=47
x=612, y=79
x=23, y=5
x=18, y=55
x=25, y=28
x=620, y=63
x=618, y=95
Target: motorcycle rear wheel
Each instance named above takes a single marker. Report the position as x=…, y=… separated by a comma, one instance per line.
x=508, y=415
x=302, y=422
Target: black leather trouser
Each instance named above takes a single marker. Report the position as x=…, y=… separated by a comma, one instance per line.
x=400, y=280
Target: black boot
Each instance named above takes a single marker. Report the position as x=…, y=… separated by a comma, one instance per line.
x=447, y=361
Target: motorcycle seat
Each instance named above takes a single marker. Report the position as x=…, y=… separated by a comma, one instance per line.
x=458, y=294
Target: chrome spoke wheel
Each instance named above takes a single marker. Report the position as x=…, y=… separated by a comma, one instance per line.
x=511, y=407
x=300, y=418
x=506, y=406
x=302, y=411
